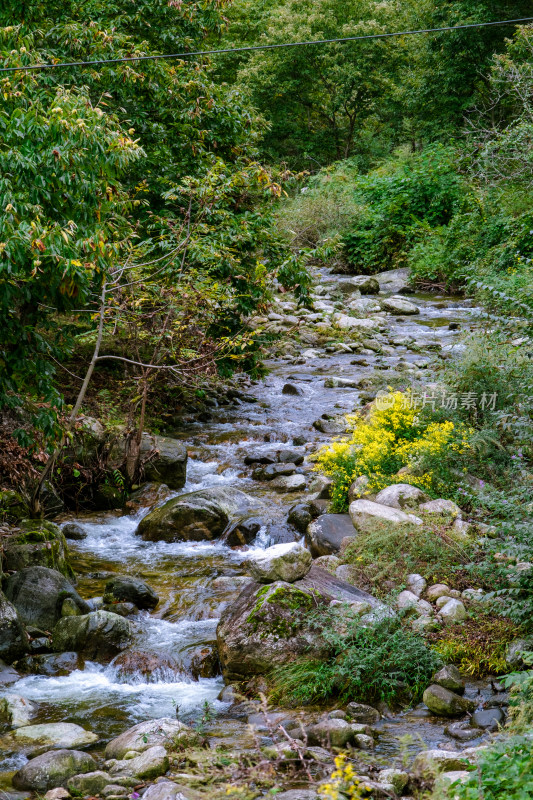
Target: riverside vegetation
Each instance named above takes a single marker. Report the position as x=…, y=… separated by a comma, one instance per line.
x=266, y=392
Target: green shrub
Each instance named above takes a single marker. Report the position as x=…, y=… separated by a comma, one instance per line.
x=384, y=660
x=504, y=772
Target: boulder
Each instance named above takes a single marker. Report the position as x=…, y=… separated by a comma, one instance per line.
x=444, y=703
x=289, y=456
x=13, y=636
x=331, y=733
x=243, y=531
x=331, y=427
x=331, y=588
x=436, y=591
x=401, y=495
x=149, y=764
x=416, y=583
x=367, y=516
x=98, y=636
x=153, y=666
x=292, y=483
x=197, y=516
x=325, y=535
x=55, y=735
x=365, y=715
x=283, y=562
x=205, y=662
x=38, y=594
x=163, y=731
x=37, y=543
x=8, y=675
x=130, y=589
x=429, y=763
x=346, y=323
x=488, y=719
x=441, y=506
x=516, y=650
x=300, y=516
x=449, y=677
x=399, y=305
x=396, y=777
x=164, y=790
x=52, y=769
x=52, y=664
x=89, y=784
x=409, y=601
x=148, y=495
x=453, y=611
x=321, y=487
x=73, y=531
x=265, y=627
x=16, y=710
x=366, y=284
x=272, y=471
x=169, y=465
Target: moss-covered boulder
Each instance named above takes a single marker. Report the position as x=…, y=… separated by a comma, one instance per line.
x=98, y=636
x=267, y=626
x=38, y=594
x=37, y=543
x=13, y=636
x=52, y=769
x=12, y=505
x=197, y=516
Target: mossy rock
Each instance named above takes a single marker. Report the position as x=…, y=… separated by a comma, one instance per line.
x=38, y=543
x=12, y=505
x=267, y=626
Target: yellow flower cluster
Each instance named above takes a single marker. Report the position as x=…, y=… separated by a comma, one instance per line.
x=343, y=783
x=390, y=437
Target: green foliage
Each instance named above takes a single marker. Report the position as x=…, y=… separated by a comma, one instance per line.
x=400, y=202
x=383, y=660
x=504, y=771
x=478, y=646
x=520, y=685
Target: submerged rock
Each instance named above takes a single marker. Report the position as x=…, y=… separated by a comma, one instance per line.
x=267, y=626
x=52, y=769
x=197, y=516
x=130, y=589
x=38, y=594
x=282, y=562
x=99, y=635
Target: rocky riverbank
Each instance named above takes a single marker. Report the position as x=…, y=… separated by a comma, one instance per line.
x=139, y=641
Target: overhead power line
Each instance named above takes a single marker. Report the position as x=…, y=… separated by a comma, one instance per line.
x=191, y=54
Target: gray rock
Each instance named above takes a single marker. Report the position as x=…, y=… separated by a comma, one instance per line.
x=133, y=590
x=398, y=305
x=291, y=456
x=429, y=763
x=267, y=626
x=441, y=506
x=367, y=517
x=366, y=284
x=346, y=323
x=51, y=664
x=462, y=731
x=488, y=719
x=260, y=458
x=331, y=588
x=243, y=531
x=331, y=427
x=359, y=488
x=325, y=535
x=52, y=769
x=416, y=583
x=149, y=764
x=449, y=677
x=164, y=731
x=321, y=486
x=73, y=531
x=282, y=562
x=516, y=650
x=99, y=635
x=197, y=516
x=401, y=495
x=53, y=734
x=89, y=783
x=38, y=594
x=8, y=675
x=292, y=483
x=436, y=591
x=453, y=611
x=13, y=636
x=164, y=790
x=272, y=471
x=170, y=465
x=291, y=389
x=396, y=777
x=296, y=794
x=331, y=733
x=300, y=516
x=444, y=703
x=38, y=543
x=358, y=712
x=16, y=710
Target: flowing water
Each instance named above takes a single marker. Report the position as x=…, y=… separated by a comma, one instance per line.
x=196, y=580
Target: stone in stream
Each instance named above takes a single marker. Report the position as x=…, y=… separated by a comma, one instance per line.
x=365, y=284
x=326, y=534
x=268, y=626
x=38, y=543
x=131, y=589
x=8, y=675
x=346, y=323
x=38, y=594
x=260, y=458
x=291, y=389
x=321, y=487
x=16, y=710
x=282, y=562
x=449, y=677
x=401, y=495
x=291, y=456
x=399, y=305
x=153, y=666
x=51, y=664
x=148, y=495
x=290, y=483
x=164, y=731
x=331, y=427
x=99, y=635
x=362, y=714
x=52, y=769
x=58, y=735
x=445, y=703
x=462, y=731
x=300, y=516
x=13, y=636
x=368, y=517
x=272, y=471
x=489, y=719
x=243, y=531
x=73, y=531
x=332, y=733
x=197, y=516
